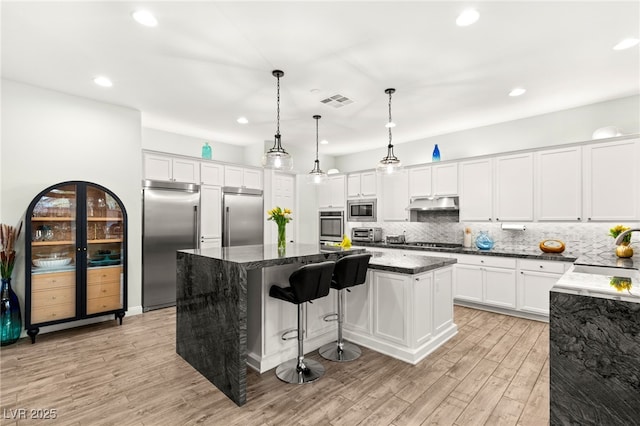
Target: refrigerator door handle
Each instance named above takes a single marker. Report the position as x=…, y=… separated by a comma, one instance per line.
x=228, y=230
x=196, y=227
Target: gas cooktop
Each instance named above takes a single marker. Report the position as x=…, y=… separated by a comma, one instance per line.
x=434, y=245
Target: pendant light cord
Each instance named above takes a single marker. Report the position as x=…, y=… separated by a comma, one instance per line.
x=278, y=109
x=390, y=121
x=317, y=117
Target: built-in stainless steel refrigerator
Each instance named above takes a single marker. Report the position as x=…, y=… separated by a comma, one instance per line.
x=170, y=223
x=243, y=217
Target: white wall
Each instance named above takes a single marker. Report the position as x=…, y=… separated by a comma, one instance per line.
x=159, y=140
x=50, y=137
x=567, y=126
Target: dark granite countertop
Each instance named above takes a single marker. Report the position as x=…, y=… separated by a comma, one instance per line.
x=406, y=263
x=261, y=256
x=521, y=252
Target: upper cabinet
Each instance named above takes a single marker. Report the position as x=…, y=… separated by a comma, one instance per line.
x=211, y=173
x=476, y=190
x=242, y=177
x=433, y=180
x=611, y=181
x=361, y=185
x=395, y=196
x=331, y=192
x=558, y=180
x=168, y=168
x=420, y=182
x=514, y=187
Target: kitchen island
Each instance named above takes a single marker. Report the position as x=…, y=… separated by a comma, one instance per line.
x=211, y=305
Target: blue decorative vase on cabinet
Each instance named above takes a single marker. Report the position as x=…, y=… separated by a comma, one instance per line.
x=11, y=320
x=484, y=241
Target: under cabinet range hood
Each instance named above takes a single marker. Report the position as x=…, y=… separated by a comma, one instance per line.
x=434, y=204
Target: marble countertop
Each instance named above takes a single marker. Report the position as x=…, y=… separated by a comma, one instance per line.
x=602, y=282
x=406, y=263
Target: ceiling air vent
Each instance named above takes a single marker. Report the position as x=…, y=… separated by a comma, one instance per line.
x=337, y=101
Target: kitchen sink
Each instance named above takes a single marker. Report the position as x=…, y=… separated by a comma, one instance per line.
x=607, y=271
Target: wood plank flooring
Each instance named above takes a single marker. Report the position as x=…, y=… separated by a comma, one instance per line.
x=494, y=372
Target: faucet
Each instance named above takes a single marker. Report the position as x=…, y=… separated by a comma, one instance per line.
x=624, y=234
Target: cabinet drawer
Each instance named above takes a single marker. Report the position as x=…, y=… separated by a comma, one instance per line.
x=53, y=280
x=53, y=313
x=493, y=261
x=56, y=296
x=103, y=304
x=538, y=266
x=103, y=290
x=103, y=275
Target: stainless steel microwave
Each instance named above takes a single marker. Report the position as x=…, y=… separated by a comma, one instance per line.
x=362, y=210
x=331, y=226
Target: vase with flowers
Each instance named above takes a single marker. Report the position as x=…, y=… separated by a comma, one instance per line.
x=10, y=318
x=281, y=217
x=624, y=249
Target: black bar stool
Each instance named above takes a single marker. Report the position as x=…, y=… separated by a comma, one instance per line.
x=349, y=272
x=307, y=283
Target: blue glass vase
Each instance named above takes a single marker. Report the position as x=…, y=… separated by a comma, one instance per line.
x=10, y=321
x=484, y=241
x=436, y=154
x=206, y=151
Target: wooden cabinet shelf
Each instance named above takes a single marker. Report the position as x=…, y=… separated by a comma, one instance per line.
x=104, y=219
x=107, y=240
x=52, y=243
x=53, y=219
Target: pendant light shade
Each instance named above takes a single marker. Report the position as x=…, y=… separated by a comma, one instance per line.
x=390, y=163
x=316, y=175
x=277, y=157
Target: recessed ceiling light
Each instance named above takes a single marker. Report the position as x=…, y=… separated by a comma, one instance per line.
x=467, y=17
x=242, y=120
x=324, y=142
x=626, y=44
x=517, y=91
x=144, y=17
x=102, y=81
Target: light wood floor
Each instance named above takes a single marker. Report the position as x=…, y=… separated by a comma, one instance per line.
x=494, y=372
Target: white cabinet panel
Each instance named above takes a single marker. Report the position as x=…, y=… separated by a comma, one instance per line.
x=211, y=243
x=353, y=185
x=211, y=174
x=233, y=176
x=468, y=283
x=499, y=287
x=186, y=170
x=168, y=168
x=390, y=302
x=476, y=191
x=210, y=212
x=284, y=196
x=361, y=185
x=445, y=179
x=559, y=184
x=486, y=280
x=514, y=188
x=316, y=311
x=395, y=196
x=533, y=291
x=252, y=178
x=423, y=317
x=357, y=315
x=611, y=184
x=442, y=297
x=331, y=193
x=420, y=182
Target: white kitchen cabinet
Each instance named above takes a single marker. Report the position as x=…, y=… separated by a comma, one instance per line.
x=357, y=312
x=315, y=312
x=211, y=173
x=476, y=190
x=442, y=297
x=361, y=185
x=395, y=196
x=283, y=194
x=444, y=179
x=514, y=187
x=499, y=287
x=558, y=177
x=331, y=192
x=420, y=182
x=468, y=283
x=210, y=212
x=169, y=168
x=211, y=243
x=611, y=183
x=391, y=298
x=242, y=177
x=535, y=280
x=487, y=280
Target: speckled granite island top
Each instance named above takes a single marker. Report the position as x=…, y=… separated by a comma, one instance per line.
x=406, y=263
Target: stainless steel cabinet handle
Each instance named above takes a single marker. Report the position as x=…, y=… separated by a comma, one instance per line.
x=196, y=228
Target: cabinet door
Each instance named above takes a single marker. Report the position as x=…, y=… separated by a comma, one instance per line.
x=514, y=188
x=211, y=243
x=499, y=287
x=337, y=184
x=445, y=179
x=158, y=167
x=442, y=299
x=316, y=311
x=395, y=196
x=357, y=315
x=533, y=291
x=186, y=170
x=284, y=196
x=211, y=174
x=611, y=188
x=252, y=178
x=324, y=194
x=368, y=187
x=233, y=176
x=420, y=182
x=422, y=298
x=468, y=283
x=353, y=185
x=476, y=191
x=279, y=317
x=391, y=301
x=559, y=184
x=210, y=212
x=104, y=289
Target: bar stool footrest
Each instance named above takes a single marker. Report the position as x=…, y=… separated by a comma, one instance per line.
x=330, y=317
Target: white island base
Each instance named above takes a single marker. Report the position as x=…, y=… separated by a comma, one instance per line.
x=402, y=315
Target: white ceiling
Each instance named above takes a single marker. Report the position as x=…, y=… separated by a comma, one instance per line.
x=207, y=63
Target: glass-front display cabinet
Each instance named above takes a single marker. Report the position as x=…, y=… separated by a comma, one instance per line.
x=76, y=256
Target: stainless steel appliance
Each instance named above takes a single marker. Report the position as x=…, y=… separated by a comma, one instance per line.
x=242, y=217
x=434, y=204
x=331, y=226
x=372, y=235
x=170, y=223
x=361, y=210
x=430, y=244
x=396, y=239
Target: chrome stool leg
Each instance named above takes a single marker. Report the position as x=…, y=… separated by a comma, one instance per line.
x=340, y=350
x=299, y=370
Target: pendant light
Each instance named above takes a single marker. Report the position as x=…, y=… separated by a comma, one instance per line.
x=316, y=175
x=277, y=157
x=390, y=163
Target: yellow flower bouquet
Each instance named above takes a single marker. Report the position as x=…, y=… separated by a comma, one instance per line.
x=619, y=229
x=281, y=217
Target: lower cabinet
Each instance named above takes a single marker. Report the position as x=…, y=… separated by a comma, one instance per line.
x=535, y=280
x=486, y=279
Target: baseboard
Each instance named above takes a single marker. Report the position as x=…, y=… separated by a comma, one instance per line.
x=504, y=311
